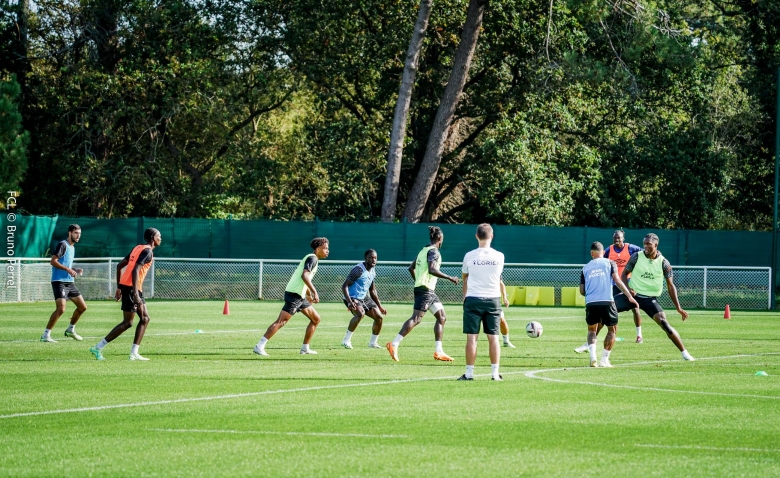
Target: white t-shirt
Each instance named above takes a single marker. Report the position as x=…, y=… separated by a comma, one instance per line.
x=484, y=266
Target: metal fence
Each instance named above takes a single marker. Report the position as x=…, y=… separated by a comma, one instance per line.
x=28, y=280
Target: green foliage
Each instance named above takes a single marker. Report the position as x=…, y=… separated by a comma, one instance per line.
x=13, y=139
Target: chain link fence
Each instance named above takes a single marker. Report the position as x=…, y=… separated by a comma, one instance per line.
x=28, y=280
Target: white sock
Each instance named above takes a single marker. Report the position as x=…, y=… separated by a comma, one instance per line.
x=374, y=338
x=494, y=369
x=71, y=328
x=639, y=331
x=305, y=347
x=348, y=336
x=101, y=344
x=606, y=354
x=47, y=333
x=506, y=338
x=438, y=347
x=261, y=344
x=592, y=350
x=469, y=371
x=397, y=340
x=134, y=349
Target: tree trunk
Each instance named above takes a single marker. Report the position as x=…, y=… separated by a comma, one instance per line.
x=426, y=177
x=398, y=134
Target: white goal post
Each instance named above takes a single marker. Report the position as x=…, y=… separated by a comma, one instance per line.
x=28, y=280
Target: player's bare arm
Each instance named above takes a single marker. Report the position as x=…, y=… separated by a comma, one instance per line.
x=623, y=288
x=306, y=276
x=345, y=291
x=56, y=264
x=411, y=270
x=122, y=264
x=375, y=298
x=434, y=271
x=465, y=285
x=673, y=295
x=504, y=298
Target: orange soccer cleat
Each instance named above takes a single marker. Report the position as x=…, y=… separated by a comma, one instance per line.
x=442, y=356
x=393, y=351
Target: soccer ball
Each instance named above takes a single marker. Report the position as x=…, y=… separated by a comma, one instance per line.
x=533, y=329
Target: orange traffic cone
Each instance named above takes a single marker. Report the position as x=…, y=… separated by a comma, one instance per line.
x=727, y=314
x=226, y=309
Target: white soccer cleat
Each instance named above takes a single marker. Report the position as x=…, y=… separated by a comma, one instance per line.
x=259, y=351
x=509, y=344
x=604, y=362
x=581, y=349
x=137, y=356
x=375, y=346
x=346, y=344
x=309, y=352
x=47, y=338
x=687, y=356
x=594, y=364
x=73, y=335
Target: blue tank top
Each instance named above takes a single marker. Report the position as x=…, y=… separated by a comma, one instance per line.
x=66, y=260
x=359, y=288
x=598, y=280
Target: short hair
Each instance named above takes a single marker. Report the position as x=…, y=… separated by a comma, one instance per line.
x=651, y=238
x=619, y=231
x=369, y=251
x=74, y=227
x=435, y=233
x=597, y=246
x=318, y=241
x=150, y=233
x=484, y=231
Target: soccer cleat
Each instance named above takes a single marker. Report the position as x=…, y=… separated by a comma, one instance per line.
x=509, y=344
x=259, y=351
x=346, y=344
x=393, y=351
x=497, y=378
x=442, y=356
x=97, y=353
x=72, y=334
x=639, y=340
x=605, y=363
x=47, y=338
x=583, y=348
x=308, y=352
x=137, y=356
x=374, y=346
x=687, y=356
x=594, y=364
x=464, y=377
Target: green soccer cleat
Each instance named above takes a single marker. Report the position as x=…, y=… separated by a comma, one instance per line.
x=97, y=353
x=73, y=335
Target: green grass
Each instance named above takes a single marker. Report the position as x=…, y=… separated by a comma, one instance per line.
x=357, y=413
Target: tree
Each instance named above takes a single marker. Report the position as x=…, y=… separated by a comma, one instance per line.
x=13, y=139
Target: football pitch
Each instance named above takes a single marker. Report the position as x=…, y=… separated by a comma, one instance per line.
x=205, y=405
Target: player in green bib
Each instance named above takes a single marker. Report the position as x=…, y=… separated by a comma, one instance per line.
x=425, y=272
x=648, y=269
x=299, y=295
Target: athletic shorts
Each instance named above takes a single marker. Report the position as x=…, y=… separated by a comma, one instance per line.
x=64, y=290
x=367, y=303
x=294, y=303
x=601, y=312
x=482, y=311
x=424, y=298
x=616, y=290
x=127, y=298
x=649, y=305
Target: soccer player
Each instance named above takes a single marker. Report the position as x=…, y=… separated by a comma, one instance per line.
x=299, y=295
x=648, y=270
x=596, y=282
x=620, y=252
x=63, y=285
x=425, y=272
x=504, y=326
x=129, y=288
x=482, y=270
x=361, y=299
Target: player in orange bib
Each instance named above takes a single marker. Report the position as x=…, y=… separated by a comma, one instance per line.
x=129, y=288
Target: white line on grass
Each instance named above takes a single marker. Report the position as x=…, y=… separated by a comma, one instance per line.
x=707, y=448
x=533, y=374
x=262, y=432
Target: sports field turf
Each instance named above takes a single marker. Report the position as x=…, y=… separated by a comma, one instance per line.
x=205, y=405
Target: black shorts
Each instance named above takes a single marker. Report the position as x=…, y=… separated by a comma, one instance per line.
x=367, y=303
x=481, y=311
x=424, y=298
x=294, y=303
x=649, y=305
x=64, y=290
x=601, y=312
x=127, y=299
x=616, y=290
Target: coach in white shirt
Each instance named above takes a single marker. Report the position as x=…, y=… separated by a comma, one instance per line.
x=482, y=270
